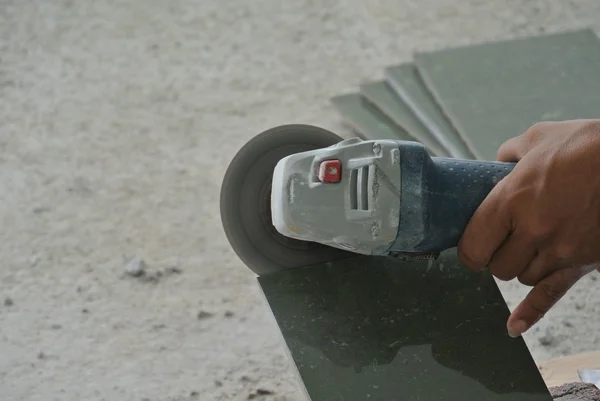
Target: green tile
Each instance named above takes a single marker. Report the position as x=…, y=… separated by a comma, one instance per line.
x=406, y=82
x=366, y=120
x=495, y=91
x=381, y=96
x=374, y=328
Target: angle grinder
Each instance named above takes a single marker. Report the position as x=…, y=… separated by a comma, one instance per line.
x=299, y=195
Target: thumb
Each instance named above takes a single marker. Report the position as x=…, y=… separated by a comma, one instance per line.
x=511, y=150
x=541, y=298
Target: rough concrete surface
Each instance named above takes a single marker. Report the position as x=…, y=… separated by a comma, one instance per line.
x=117, y=121
x=575, y=392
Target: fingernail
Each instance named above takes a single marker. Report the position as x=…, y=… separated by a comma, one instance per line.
x=517, y=328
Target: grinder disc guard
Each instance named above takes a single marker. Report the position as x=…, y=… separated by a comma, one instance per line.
x=246, y=201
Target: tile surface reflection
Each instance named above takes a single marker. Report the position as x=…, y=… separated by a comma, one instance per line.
x=382, y=329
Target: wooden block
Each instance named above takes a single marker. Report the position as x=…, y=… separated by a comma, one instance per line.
x=562, y=370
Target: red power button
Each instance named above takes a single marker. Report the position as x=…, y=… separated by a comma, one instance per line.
x=330, y=171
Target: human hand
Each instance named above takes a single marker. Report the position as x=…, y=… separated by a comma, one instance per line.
x=541, y=223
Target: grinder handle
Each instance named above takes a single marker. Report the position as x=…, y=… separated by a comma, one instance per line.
x=454, y=189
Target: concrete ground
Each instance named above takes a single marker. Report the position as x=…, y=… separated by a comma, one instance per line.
x=117, y=121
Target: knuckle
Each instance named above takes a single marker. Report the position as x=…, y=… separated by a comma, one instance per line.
x=565, y=250
x=471, y=258
x=498, y=271
x=506, y=152
x=502, y=276
x=592, y=126
x=538, y=129
x=527, y=280
x=506, y=146
x=552, y=293
x=539, y=310
x=539, y=229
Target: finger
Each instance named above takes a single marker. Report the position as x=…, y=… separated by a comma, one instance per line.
x=540, y=299
x=516, y=148
x=511, y=150
x=541, y=266
x=485, y=232
x=513, y=256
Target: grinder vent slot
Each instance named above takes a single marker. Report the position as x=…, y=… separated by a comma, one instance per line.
x=359, y=188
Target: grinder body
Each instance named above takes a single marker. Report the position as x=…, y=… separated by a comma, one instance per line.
x=380, y=197
x=438, y=198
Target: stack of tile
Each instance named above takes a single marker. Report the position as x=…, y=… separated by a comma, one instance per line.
x=465, y=102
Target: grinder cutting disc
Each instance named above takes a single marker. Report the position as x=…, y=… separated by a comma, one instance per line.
x=246, y=201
